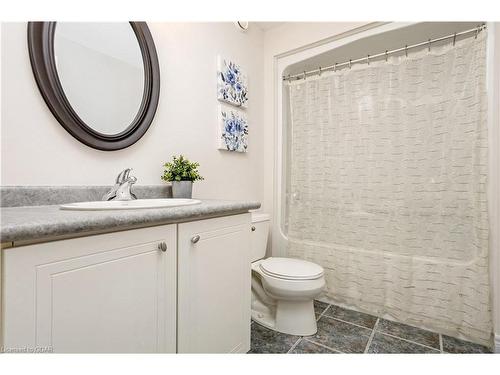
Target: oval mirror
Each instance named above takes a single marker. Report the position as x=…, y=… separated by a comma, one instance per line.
x=101, y=72
x=100, y=80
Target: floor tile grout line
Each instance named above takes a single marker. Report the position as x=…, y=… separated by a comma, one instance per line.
x=323, y=313
x=341, y=320
x=324, y=346
x=345, y=321
x=294, y=345
x=411, y=342
x=316, y=343
x=373, y=331
x=441, y=343
x=370, y=339
x=375, y=326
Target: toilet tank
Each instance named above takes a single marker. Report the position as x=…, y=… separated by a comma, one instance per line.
x=260, y=232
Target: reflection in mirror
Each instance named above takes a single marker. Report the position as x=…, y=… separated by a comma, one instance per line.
x=101, y=71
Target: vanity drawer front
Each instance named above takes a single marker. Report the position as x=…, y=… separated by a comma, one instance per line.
x=106, y=293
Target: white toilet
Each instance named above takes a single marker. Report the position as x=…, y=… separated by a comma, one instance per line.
x=283, y=289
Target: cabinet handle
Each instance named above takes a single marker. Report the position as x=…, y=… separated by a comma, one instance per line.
x=162, y=246
x=253, y=228
x=195, y=239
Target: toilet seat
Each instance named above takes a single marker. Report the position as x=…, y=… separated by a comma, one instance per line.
x=291, y=269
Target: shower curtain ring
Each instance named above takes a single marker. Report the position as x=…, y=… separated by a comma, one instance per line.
x=289, y=78
x=386, y=54
x=319, y=71
x=430, y=45
x=350, y=63
x=454, y=39
x=406, y=50
x=304, y=74
x=477, y=32
x=368, y=59
x=335, y=67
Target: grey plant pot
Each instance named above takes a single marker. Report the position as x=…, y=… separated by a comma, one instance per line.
x=182, y=189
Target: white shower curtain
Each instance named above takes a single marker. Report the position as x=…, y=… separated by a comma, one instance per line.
x=387, y=186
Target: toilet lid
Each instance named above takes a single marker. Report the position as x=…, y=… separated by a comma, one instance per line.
x=291, y=269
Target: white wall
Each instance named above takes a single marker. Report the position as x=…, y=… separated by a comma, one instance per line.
x=36, y=150
x=494, y=201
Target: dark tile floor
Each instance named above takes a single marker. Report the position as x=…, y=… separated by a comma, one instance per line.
x=346, y=331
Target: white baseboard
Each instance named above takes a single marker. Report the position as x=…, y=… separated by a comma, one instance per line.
x=497, y=343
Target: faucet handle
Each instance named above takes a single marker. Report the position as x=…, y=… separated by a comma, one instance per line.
x=131, y=180
x=123, y=176
x=121, y=189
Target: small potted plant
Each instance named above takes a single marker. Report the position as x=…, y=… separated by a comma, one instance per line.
x=181, y=173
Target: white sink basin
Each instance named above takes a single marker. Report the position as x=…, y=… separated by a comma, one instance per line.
x=129, y=205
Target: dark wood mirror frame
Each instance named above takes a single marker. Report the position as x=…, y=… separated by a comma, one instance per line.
x=41, y=51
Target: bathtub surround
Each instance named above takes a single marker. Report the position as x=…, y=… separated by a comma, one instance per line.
x=389, y=165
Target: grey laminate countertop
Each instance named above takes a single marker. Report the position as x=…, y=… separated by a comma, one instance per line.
x=38, y=223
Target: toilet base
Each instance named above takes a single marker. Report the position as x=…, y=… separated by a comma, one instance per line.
x=290, y=317
x=263, y=314
x=296, y=318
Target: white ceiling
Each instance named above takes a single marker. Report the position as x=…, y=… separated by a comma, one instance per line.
x=264, y=26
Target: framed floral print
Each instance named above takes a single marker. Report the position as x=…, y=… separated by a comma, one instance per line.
x=233, y=129
x=232, y=85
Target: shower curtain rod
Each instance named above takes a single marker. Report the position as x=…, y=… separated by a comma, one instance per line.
x=366, y=59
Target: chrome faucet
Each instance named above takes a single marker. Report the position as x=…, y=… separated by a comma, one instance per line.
x=121, y=190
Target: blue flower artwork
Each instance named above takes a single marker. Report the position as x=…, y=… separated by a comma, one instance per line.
x=231, y=83
x=233, y=135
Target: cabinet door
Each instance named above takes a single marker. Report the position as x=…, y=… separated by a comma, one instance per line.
x=105, y=293
x=214, y=285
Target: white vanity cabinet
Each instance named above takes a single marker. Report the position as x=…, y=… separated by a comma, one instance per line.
x=214, y=287
x=120, y=292
x=105, y=293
